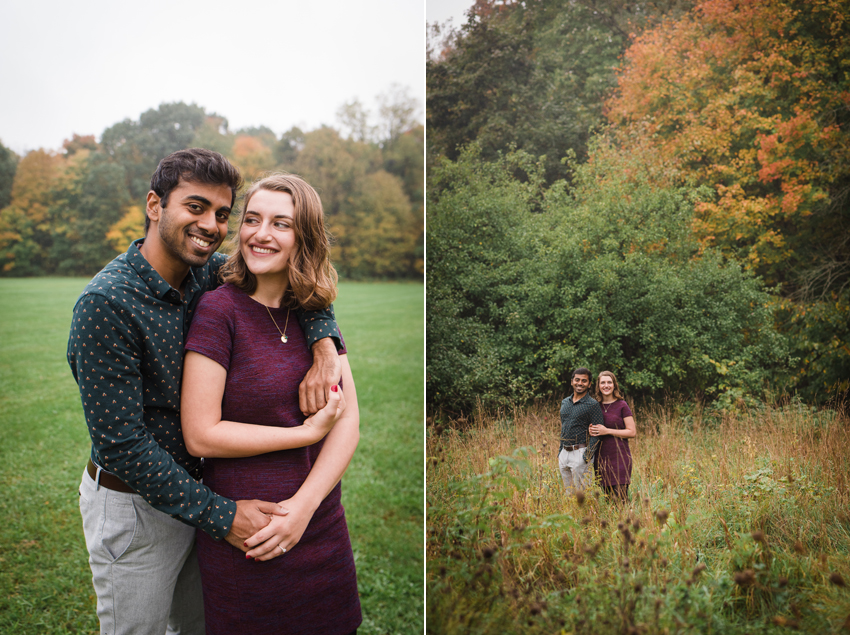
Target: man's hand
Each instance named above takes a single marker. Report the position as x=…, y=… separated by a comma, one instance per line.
x=251, y=517
x=282, y=533
x=324, y=373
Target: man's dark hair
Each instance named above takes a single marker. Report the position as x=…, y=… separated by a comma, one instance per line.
x=195, y=165
x=582, y=371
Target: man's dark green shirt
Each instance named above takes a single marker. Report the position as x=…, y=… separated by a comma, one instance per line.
x=576, y=418
x=126, y=352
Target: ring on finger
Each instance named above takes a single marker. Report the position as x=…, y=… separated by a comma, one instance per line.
x=282, y=549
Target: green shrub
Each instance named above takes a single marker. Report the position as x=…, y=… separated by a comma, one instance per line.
x=526, y=283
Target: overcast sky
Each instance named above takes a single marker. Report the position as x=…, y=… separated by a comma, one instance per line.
x=80, y=67
x=442, y=10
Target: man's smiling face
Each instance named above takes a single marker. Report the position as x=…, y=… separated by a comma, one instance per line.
x=580, y=384
x=193, y=223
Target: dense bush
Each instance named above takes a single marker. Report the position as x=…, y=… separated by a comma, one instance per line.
x=526, y=283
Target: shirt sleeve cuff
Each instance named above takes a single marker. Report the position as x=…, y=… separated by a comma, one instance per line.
x=220, y=519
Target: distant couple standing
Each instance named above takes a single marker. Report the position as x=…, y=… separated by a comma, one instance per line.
x=596, y=430
x=181, y=353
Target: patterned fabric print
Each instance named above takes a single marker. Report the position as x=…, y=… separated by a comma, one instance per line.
x=126, y=352
x=576, y=418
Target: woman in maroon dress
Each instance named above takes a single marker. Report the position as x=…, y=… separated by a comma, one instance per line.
x=246, y=356
x=614, y=459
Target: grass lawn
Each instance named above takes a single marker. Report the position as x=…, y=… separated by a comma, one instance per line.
x=45, y=582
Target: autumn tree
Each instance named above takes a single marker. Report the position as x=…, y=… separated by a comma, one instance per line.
x=61, y=210
x=70, y=213
x=128, y=228
x=80, y=142
x=375, y=228
x=530, y=75
x=751, y=99
x=252, y=156
x=377, y=234
x=26, y=232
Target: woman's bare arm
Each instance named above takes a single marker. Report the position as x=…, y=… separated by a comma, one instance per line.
x=207, y=435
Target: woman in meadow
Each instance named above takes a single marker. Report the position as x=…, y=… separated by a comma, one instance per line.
x=244, y=362
x=614, y=459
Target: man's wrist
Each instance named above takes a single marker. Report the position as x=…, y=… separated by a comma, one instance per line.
x=324, y=347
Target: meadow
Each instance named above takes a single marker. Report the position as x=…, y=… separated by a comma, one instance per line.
x=737, y=522
x=45, y=582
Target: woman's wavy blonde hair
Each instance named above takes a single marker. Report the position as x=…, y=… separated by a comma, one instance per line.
x=312, y=277
x=607, y=373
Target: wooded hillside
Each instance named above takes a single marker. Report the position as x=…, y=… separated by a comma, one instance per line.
x=655, y=188
x=70, y=211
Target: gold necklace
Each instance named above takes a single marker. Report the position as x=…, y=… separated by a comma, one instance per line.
x=609, y=405
x=283, y=337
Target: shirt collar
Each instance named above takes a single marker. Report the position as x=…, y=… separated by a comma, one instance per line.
x=160, y=289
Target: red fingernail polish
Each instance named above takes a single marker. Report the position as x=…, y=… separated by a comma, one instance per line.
x=244, y=544
x=333, y=388
x=247, y=556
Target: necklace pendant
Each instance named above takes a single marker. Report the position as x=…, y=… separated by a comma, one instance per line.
x=283, y=338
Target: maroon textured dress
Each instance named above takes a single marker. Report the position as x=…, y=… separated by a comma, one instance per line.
x=312, y=589
x=614, y=459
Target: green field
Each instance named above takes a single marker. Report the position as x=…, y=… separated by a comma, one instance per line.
x=45, y=583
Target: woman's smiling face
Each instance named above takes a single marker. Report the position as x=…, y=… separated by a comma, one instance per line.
x=267, y=236
x=606, y=385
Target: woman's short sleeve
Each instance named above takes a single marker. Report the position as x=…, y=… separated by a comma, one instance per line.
x=211, y=333
x=625, y=411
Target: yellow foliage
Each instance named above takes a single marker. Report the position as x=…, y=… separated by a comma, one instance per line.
x=126, y=230
x=36, y=174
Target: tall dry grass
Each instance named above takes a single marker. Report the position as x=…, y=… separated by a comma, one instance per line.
x=737, y=522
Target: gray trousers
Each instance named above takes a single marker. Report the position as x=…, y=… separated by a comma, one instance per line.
x=574, y=471
x=144, y=566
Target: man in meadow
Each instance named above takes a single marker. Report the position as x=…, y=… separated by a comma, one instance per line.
x=141, y=497
x=578, y=412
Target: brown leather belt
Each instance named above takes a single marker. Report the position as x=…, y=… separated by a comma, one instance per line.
x=568, y=448
x=107, y=480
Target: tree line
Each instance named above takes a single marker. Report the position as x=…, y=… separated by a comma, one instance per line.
x=656, y=188
x=69, y=212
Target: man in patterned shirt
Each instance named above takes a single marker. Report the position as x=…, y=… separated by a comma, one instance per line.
x=578, y=412
x=140, y=497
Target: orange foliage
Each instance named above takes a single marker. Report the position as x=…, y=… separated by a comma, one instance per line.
x=251, y=156
x=742, y=96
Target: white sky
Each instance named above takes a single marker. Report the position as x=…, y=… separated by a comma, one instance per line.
x=442, y=10
x=80, y=67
